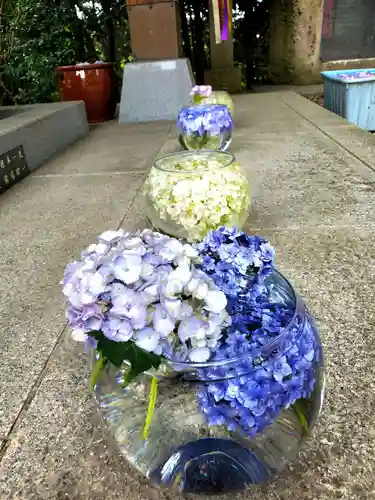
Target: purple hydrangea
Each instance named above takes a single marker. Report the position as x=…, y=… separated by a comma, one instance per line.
x=205, y=119
x=357, y=75
x=201, y=90
x=145, y=288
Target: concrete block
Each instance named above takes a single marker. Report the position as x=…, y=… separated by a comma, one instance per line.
x=155, y=90
x=42, y=129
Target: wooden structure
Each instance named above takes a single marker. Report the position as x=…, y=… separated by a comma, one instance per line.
x=154, y=29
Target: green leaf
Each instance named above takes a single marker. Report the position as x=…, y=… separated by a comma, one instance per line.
x=118, y=352
x=298, y=409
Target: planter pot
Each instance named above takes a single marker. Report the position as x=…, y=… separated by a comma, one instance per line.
x=223, y=425
x=349, y=94
x=190, y=193
x=93, y=84
x=205, y=126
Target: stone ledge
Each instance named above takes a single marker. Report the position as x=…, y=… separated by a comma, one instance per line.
x=42, y=129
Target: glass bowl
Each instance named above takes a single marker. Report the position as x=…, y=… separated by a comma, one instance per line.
x=190, y=193
x=205, y=126
x=220, y=97
x=222, y=426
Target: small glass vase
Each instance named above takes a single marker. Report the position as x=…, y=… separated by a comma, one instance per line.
x=222, y=426
x=219, y=97
x=206, y=126
x=190, y=193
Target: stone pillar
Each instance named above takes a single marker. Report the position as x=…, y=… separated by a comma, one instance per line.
x=154, y=29
x=222, y=75
x=294, y=43
x=159, y=83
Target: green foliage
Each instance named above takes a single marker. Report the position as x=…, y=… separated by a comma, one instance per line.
x=40, y=43
x=250, y=34
x=39, y=35
x=118, y=352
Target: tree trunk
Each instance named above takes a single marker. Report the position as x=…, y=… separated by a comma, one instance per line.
x=90, y=46
x=294, y=43
x=110, y=46
x=198, y=44
x=249, y=44
x=185, y=31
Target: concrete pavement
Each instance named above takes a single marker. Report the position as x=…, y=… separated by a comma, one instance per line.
x=313, y=185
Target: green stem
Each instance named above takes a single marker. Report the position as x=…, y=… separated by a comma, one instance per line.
x=197, y=99
x=95, y=372
x=297, y=407
x=151, y=407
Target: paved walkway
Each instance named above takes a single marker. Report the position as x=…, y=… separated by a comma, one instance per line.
x=313, y=187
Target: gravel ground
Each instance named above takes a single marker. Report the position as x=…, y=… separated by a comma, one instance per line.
x=317, y=98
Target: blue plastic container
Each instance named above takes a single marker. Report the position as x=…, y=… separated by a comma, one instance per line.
x=351, y=94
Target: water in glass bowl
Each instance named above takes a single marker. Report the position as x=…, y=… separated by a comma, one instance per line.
x=181, y=450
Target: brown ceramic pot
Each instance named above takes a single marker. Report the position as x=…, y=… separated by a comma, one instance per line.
x=91, y=83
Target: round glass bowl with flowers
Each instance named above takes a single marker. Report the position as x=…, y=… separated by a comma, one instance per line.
x=205, y=126
x=190, y=193
x=207, y=368
x=203, y=94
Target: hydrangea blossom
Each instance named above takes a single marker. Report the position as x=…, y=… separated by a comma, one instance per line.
x=357, y=75
x=199, y=92
x=249, y=393
x=232, y=258
x=199, y=195
x=205, y=126
x=208, y=118
x=145, y=288
x=255, y=389
x=220, y=301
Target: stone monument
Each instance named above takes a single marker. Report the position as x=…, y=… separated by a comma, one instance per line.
x=157, y=85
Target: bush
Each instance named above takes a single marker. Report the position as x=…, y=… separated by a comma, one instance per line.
x=38, y=35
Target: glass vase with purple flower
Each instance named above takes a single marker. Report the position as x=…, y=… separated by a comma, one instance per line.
x=207, y=367
x=203, y=94
x=205, y=126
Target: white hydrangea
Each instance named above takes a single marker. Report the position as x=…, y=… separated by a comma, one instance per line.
x=200, y=201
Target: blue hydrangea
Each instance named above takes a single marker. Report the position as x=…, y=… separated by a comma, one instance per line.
x=235, y=260
x=277, y=350
x=257, y=387
x=212, y=119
